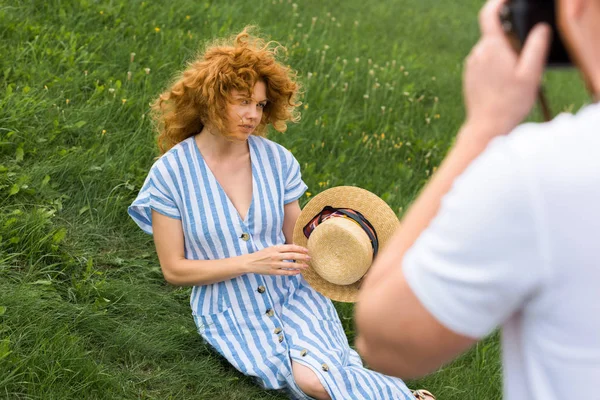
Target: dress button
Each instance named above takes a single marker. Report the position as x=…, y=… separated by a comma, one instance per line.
x=261, y=289
x=270, y=312
x=303, y=352
x=277, y=331
x=280, y=338
x=245, y=237
x=325, y=367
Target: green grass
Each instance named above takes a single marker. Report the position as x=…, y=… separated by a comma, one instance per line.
x=84, y=311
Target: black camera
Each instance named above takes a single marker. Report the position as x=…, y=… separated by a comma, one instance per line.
x=520, y=16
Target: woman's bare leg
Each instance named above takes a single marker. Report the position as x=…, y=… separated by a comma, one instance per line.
x=308, y=382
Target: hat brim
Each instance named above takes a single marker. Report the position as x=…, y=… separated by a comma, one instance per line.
x=374, y=209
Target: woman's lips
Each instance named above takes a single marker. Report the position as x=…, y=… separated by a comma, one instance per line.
x=247, y=128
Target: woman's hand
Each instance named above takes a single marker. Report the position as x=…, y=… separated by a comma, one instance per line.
x=500, y=86
x=283, y=259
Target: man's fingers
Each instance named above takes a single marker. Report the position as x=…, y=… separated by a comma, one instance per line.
x=532, y=60
x=489, y=18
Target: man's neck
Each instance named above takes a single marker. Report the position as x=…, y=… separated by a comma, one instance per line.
x=594, y=85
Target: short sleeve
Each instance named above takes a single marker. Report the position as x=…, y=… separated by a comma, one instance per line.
x=294, y=185
x=479, y=260
x=154, y=195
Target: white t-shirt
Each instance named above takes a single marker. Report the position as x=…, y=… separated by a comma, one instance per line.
x=516, y=244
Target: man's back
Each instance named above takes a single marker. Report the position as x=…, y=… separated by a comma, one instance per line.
x=553, y=342
x=505, y=234
x=515, y=244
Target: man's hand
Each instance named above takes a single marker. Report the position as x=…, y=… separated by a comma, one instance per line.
x=500, y=86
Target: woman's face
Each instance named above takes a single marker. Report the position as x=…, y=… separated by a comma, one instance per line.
x=244, y=113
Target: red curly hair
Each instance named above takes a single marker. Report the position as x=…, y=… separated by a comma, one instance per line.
x=200, y=94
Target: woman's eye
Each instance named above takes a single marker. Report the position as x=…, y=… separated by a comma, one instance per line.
x=245, y=102
x=262, y=105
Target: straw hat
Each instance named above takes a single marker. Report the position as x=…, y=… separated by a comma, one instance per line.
x=342, y=249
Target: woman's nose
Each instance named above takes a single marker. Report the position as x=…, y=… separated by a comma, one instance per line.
x=252, y=112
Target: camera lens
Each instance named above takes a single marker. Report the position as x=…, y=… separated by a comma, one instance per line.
x=505, y=12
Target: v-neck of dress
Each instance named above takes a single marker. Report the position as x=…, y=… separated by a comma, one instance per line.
x=218, y=184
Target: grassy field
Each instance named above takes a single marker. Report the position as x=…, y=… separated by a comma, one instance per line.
x=84, y=311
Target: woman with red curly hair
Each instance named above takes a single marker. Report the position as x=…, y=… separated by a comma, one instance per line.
x=221, y=202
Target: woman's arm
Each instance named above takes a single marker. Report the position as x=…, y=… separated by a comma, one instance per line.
x=291, y=212
x=177, y=270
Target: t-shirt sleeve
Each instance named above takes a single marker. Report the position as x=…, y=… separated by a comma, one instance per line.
x=156, y=194
x=479, y=260
x=294, y=185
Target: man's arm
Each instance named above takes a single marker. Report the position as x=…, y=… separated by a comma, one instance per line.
x=412, y=342
x=397, y=335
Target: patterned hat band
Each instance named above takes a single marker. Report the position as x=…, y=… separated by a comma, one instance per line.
x=355, y=216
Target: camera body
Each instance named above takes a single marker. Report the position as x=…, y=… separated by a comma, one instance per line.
x=520, y=16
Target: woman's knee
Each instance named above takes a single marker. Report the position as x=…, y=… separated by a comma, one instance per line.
x=308, y=382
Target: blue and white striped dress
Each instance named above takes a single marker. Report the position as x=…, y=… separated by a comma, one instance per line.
x=257, y=322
